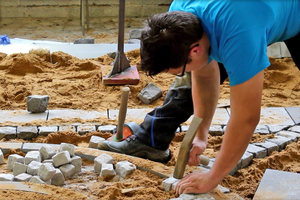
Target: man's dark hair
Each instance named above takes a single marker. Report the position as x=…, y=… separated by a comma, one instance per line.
x=166, y=40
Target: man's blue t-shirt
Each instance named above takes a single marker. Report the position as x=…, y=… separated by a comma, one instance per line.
x=240, y=31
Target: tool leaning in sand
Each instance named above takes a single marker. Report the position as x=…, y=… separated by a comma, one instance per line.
x=122, y=73
x=185, y=147
x=124, y=130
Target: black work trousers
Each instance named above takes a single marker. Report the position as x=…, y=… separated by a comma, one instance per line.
x=159, y=126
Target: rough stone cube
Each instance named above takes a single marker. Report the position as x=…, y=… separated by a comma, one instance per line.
x=150, y=93
x=6, y=177
x=107, y=128
x=67, y=147
x=1, y=157
x=33, y=168
x=107, y=169
x=32, y=155
x=58, y=179
x=46, y=130
x=288, y=134
x=167, y=183
x=123, y=168
x=46, y=171
x=61, y=158
x=47, y=152
x=94, y=141
x=37, y=179
x=49, y=161
x=280, y=141
x=8, y=133
x=216, y=130
x=27, y=132
x=19, y=168
x=258, y=152
x=68, y=170
x=12, y=159
x=103, y=158
x=77, y=162
x=37, y=103
x=246, y=159
x=270, y=146
x=83, y=129
x=135, y=33
x=23, y=177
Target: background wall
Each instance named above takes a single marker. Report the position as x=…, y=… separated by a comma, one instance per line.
x=71, y=8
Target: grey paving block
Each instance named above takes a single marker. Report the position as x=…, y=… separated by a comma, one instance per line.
x=67, y=128
x=79, y=114
x=262, y=129
x=280, y=141
x=269, y=146
x=294, y=113
x=258, y=152
x=46, y=171
x=196, y=197
x=135, y=33
x=6, y=146
x=46, y=130
x=277, y=184
x=58, y=179
x=61, y=158
x=246, y=159
x=107, y=170
x=67, y=147
x=274, y=128
x=32, y=156
x=216, y=130
x=85, y=41
x=150, y=93
x=85, y=128
x=134, y=41
x=274, y=50
x=94, y=141
x=237, y=167
x=107, y=128
x=12, y=158
x=295, y=129
x=167, y=183
x=275, y=115
x=36, y=146
x=27, y=132
x=8, y=133
x=68, y=170
x=123, y=168
x=288, y=134
x=19, y=168
x=33, y=168
x=37, y=103
x=77, y=163
x=47, y=151
x=36, y=179
x=13, y=117
x=6, y=177
x=23, y=177
x=285, y=53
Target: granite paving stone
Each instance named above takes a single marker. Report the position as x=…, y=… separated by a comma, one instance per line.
x=46, y=130
x=274, y=128
x=277, y=184
x=107, y=128
x=280, y=141
x=67, y=128
x=27, y=132
x=13, y=117
x=220, y=117
x=258, y=152
x=262, y=129
x=289, y=134
x=85, y=128
x=216, y=130
x=246, y=159
x=36, y=146
x=295, y=129
x=6, y=146
x=8, y=133
x=269, y=146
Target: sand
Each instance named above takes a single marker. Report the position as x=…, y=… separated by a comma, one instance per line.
x=73, y=83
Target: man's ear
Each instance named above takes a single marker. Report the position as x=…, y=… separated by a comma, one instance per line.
x=196, y=50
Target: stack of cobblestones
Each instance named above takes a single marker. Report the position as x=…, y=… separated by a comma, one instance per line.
x=46, y=166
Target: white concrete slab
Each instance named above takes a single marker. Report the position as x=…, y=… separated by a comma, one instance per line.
x=277, y=184
x=294, y=112
x=221, y=117
x=11, y=117
x=275, y=115
x=80, y=114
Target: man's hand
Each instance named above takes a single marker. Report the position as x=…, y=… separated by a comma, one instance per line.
x=197, y=182
x=198, y=146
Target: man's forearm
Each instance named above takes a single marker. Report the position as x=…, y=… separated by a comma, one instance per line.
x=205, y=91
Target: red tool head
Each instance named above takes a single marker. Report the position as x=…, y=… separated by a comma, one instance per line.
x=129, y=129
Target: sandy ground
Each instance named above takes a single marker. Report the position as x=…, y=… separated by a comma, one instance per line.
x=76, y=84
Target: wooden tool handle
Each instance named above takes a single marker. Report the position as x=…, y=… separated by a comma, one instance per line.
x=204, y=160
x=122, y=112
